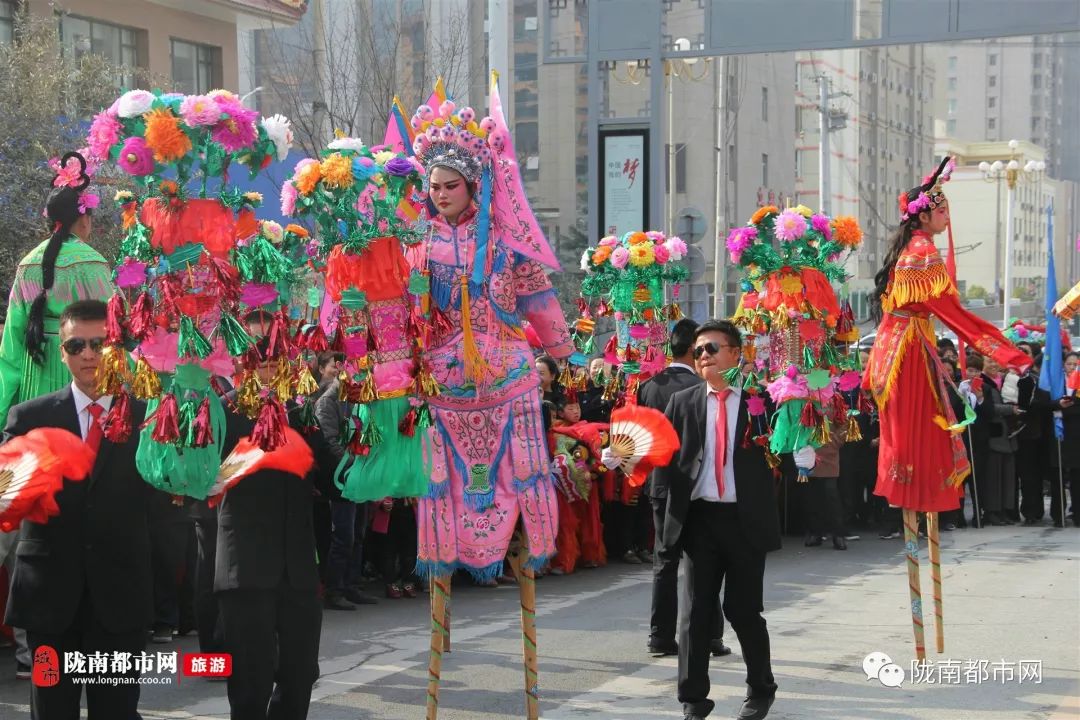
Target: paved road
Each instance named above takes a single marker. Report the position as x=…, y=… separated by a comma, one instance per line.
x=1011, y=595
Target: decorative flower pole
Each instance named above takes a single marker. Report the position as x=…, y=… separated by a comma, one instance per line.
x=184, y=272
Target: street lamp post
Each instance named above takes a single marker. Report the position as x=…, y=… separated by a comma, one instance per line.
x=673, y=68
x=1013, y=173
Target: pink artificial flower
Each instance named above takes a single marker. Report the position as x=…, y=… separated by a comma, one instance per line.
x=755, y=404
x=87, y=202
x=288, y=198
x=660, y=252
x=821, y=224
x=849, y=380
x=789, y=225
x=104, y=133
x=676, y=248
x=257, y=294
x=612, y=241
x=66, y=175
x=620, y=256
x=739, y=239
x=655, y=235
x=135, y=157
x=199, y=110
x=639, y=331
x=236, y=131
x=131, y=273
x=784, y=388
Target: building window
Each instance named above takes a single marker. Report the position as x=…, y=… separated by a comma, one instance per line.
x=952, y=62
x=732, y=168
x=80, y=36
x=952, y=106
x=765, y=104
x=798, y=163
x=1036, y=123
x=1036, y=81
x=1036, y=60
x=992, y=81
x=1036, y=102
x=680, y=167
x=952, y=83
x=991, y=123
x=993, y=59
x=195, y=68
x=7, y=21
x=798, y=121
x=951, y=127
x=764, y=170
x=991, y=102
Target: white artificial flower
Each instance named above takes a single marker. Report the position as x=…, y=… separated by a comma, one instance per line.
x=134, y=102
x=279, y=130
x=346, y=143
x=585, y=260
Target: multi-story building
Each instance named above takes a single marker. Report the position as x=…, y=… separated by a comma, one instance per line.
x=879, y=110
x=194, y=46
x=1023, y=88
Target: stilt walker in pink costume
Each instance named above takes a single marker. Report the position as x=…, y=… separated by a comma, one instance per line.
x=483, y=261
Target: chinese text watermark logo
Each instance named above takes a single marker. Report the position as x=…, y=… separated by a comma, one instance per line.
x=879, y=666
x=124, y=668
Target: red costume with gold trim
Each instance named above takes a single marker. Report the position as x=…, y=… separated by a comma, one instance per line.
x=921, y=465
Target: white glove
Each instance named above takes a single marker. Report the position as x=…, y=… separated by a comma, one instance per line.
x=609, y=459
x=805, y=458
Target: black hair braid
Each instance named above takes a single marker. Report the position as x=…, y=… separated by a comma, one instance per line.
x=62, y=210
x=897, y=242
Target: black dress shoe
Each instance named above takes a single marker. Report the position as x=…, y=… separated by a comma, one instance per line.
x=337, y=601
x=812, y=540
x=755, y=708
x=839, y=543
x=661, y=648
x=719, y=649
x=701, y=713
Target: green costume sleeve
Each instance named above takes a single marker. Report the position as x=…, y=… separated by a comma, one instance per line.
x=12, y=350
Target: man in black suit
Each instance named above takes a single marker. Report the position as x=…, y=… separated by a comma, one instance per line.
x=656, y=393
x=722, y=509
x=83, y=580
x=266, y=580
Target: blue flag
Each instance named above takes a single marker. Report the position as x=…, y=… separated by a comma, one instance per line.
x=1052, y=376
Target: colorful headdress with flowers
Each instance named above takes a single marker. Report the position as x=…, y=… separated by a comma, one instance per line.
x=927, y=195
x=483, y=153
x=792, y=316
x=363, y=203
x=185, y=273
x=631, y=278
x=73, y=170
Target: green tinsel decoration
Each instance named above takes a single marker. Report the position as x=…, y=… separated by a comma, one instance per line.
x=371, y=435
x=136, y=243
x=234, y=335
x=191, y=341
x=731, y=375
x=185, y=420
x=808, y=357
x=423, y=416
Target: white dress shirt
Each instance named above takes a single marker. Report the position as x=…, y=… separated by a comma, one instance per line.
x=705, y=485
x=82, y=402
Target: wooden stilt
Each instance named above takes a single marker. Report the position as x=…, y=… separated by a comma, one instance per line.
x=911, y=544
x=932, y=533
x=440, y=591
x=526, y=580
x=446, y=637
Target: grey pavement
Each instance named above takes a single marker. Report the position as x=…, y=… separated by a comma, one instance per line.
x=1011, y=603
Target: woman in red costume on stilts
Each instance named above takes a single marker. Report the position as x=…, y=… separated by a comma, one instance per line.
x=922, y=462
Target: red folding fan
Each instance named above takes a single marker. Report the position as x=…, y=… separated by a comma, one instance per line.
x=32, y=470
x=641, y=439
x=247, y=458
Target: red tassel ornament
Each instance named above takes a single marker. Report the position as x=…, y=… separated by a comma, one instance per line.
x=166, y=421
x=141, y=317
x=810, y=416
x=114, y=320
x=202, y=432
x=117, y=427
x=315, y=341
x=269, y=432
x=407, y=426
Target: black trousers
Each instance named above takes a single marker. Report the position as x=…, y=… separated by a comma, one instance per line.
x=169, y=525
x=663, y=617
x=397, y=553
x=273, y=636
x=1032, y=460
x=86, y=635
x=207, y=618
x=1071, y=480
x=821, y=506
x=717, y=550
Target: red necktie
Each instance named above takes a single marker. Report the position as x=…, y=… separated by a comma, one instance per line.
x=721, y=438
x=94, y=433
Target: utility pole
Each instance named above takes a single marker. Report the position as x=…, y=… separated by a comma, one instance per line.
x=720, y=226
x=824, y=186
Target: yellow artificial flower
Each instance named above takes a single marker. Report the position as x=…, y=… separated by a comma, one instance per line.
x=336, y=170
x=383, y=157
x=804, y=211
x=642, y=254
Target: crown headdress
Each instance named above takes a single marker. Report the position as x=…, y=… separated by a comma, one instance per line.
x=451, y=137
x=929, y=194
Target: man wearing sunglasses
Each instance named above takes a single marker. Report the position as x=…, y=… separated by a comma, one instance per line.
x=655, y=393
x=83, y=580
x=722, y=509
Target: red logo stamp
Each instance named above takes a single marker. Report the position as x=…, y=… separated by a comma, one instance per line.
x=208, y=665
x=46, y=672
